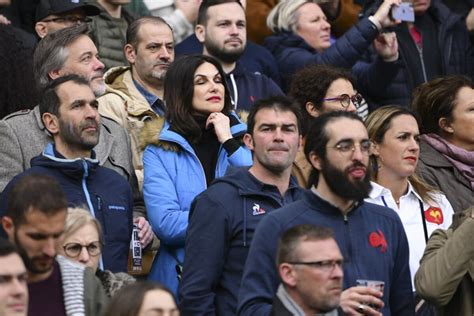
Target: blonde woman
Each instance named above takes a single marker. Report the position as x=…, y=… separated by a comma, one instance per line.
x=394, y=134
x=83, y=242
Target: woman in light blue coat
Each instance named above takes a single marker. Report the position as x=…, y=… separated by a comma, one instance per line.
x=197, y=141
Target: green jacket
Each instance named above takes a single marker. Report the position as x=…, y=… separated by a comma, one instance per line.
x=108, y=34
x=446, y=274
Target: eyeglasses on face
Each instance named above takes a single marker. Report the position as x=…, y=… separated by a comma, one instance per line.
x=349, y=146
x=345, y=100
x=323, y=265
x=69, y=20
x=74, y=249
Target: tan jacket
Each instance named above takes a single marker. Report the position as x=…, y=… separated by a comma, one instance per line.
x=446, y=274
x=123, y=103
x=301, y=168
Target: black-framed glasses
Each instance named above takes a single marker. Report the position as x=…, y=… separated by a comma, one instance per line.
x=349, y=146
x=74, y=249
x=69, y=19
x=323, y=265
x=345, y=100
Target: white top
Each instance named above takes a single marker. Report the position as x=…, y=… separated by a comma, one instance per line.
x=439, y=215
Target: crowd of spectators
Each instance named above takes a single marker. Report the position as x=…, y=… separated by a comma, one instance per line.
x=236, y=157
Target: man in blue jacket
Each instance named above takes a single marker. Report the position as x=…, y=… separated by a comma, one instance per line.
x=371, y=238
x=221, y=29
x=69, y=111
x=224, y=217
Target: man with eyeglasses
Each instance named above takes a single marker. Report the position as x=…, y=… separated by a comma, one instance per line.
x=34, y=222
x=371, y=237
x=54, y=15
x=13, y=276
x=309, y=264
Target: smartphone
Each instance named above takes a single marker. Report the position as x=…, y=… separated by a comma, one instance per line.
x=404, y=12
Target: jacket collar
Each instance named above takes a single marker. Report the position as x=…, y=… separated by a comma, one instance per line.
x=119, y=81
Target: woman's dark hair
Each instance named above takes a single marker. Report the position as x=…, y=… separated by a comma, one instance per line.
x=17, y=82
x=179, y=91
x=437, y=99
x=311, y=85
x=378, y=123
x=128, y=300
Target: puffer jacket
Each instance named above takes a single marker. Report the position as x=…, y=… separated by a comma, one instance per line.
x=104, y=192
x=293, y=53
x=123, y=103
x=173, y=177
x=108, y=34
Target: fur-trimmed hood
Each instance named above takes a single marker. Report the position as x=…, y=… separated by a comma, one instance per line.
x=150, y=135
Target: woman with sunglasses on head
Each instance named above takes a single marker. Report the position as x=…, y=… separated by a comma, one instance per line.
x=199, y=140
x=394, y=134
x=83, y=243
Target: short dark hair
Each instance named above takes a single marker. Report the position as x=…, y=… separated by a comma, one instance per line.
x=291, y=238
x=49, y=101
x=311, y=84
x=38, y=191
x=206, y=4
x=133, y=29
x=279, y=103
x=437, y=99
x=317, y=136
x=179, y=91
x=51, y=52
x=7, y=248
x=128, y=300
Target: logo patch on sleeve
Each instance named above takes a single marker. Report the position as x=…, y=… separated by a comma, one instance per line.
x=434, y=215
x=377, y=239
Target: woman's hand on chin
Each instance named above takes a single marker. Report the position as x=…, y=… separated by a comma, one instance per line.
x=221, y=125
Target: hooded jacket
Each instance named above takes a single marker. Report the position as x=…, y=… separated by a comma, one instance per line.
x=371, y=239
x=247, y=87
x=222, y=222
x=173, y=177
x=123, y=103
x=87, y=184
x=293, y=53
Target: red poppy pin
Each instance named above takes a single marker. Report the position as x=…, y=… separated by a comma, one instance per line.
x=377, y=239
x=434, y=215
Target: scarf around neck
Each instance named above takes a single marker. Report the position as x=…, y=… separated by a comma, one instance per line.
x=462, y=160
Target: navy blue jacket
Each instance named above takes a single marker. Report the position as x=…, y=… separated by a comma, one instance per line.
x=371, y=239
x=293, y=53
x=255, y=58
x=454, y=47
x=222, y=222
x=246, y=87
x=87, y=184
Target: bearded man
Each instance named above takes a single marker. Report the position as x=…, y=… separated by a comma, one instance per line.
x=371, y=238
x=69, y=110
x=221, y=29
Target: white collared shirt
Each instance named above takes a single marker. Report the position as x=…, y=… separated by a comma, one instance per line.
x=437, y=215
